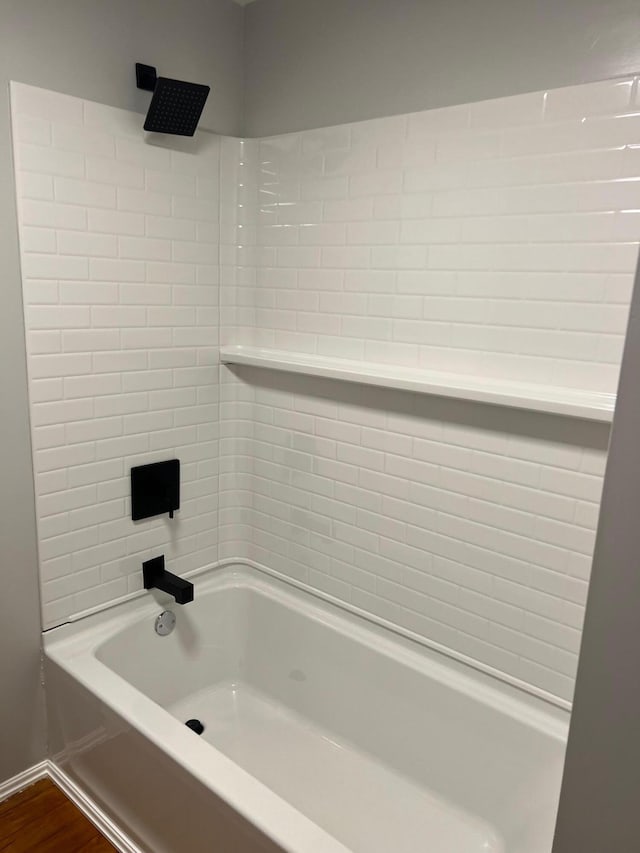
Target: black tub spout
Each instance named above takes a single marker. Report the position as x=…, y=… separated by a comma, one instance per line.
x=155, y=575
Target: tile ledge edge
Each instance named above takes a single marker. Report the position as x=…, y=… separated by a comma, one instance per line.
x=548, y=399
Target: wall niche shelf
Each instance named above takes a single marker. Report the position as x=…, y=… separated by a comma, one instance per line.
x=567, y=402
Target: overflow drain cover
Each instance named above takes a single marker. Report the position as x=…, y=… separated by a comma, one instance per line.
x=195, y=726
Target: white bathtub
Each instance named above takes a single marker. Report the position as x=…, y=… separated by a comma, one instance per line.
x=323, y=732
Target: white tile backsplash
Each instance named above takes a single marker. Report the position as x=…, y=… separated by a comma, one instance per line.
x=497, y=238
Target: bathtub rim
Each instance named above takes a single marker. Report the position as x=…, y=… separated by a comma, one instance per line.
x=74, y=647
x=457, y=658
x=90, y=631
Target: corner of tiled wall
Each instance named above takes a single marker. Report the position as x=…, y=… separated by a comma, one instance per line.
x=497, y=239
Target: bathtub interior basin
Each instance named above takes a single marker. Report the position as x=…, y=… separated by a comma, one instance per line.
x=378, y=742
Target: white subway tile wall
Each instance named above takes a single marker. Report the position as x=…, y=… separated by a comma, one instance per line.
x=497, y=238
x=470, y=526
x=119, y=242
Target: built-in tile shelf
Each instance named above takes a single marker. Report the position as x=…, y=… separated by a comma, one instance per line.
x=567, y=402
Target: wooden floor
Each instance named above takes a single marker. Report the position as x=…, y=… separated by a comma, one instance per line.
x=41, y=819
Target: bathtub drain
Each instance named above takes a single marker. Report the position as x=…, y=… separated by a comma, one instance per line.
x=195, y=726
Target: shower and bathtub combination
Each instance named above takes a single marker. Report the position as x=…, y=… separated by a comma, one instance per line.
x=385, y=355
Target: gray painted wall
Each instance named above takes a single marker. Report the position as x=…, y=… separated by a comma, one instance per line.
x=312, y=63
x=599, y=801
x=85, y=48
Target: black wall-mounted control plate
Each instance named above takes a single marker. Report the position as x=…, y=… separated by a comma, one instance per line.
x=155, y=489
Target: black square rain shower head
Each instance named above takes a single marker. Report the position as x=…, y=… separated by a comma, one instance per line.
x=176, y=106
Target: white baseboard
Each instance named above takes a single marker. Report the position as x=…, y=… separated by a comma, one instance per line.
x=23, y=780
x=83, y=802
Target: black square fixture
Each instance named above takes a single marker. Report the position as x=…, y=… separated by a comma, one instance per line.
x=155, y=489
x=176, y=105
